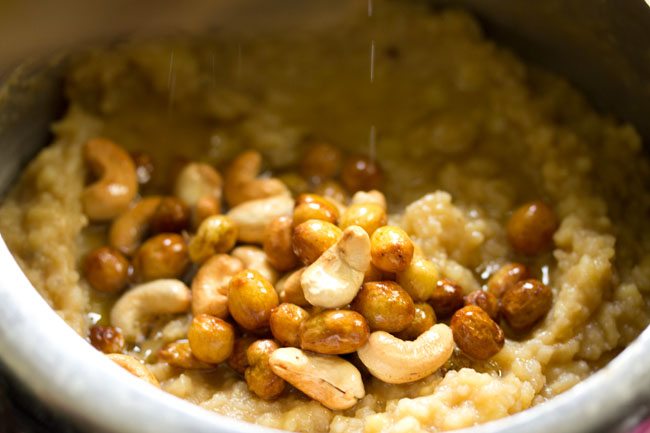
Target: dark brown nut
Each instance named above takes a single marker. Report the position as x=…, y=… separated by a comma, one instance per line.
x=424, y=319
x=162, y=256
x=525, y=303
x=507, y=276
x=334, y=332
x=238, y=360
x=106, y=270
x=333, y=190
x=106, y=339
x=391, y=249
x=211, y=339
x=312, y=206
x=251, y=299
x=171, y=216
x=278, y=244
x=385, y=305
x=179, y=354
x=531, y=228
x=285, y=323
x=484, y=300
x=320, y=161
x=312, y=238
x=361, y=174
x=447, y=297
x=477, y=335
x=260, y=379
x=368, y=216
x=144, y=167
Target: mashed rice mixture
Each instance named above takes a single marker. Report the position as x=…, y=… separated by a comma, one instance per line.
x=464, y=132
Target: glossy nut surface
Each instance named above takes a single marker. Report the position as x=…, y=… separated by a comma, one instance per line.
x=285, y=323
x=531, y=228
x=179, y=354
x=419, y=279
x=385, y=305
x=171, y=216
x=507, y=276
x=216, y=234
x=162, y=256
x=525, y=303
x=259, y=377
x=361, y=174
x=320, y=161
x=312, y=238
x=475, y=333
x=424, y=319
x=278, y=244
x=312, y=206
x=211, y=339
x=484, y=300
x=446, y=298
x=106, y=270
x=238, y=360
x=368, y=216
x=107, y=339
x=251, y=299
x=334, y=332
x=391, y=249
x=144, y=166
x=333, y=190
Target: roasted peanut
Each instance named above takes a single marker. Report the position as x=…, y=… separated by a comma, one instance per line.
x=144, y=167
x=424, y=319
x=525, y=303
x=251, y=299
x=135, y=367
x=238, y=360
x=255, y=259
x=260, y=378
x=320, y=161
x=107, y=339
x=106, y=270
x=332, y=190
x=216, y=234
x=372, y=196
x=385, y=305
x=369, y=216
x=285, y=323
x=289, y=289
x=419, y=279
x=374, y=274
x=278, y=244
x=334, y=332
x=507, y=276
x=171, y=216
x=162, y=256
x=484, y=300
x=391, y=249
x=242, y=184
x=446, y=298
x=361, y=174
x=531, y=228
x=312, y=238
x=179, y=354
x=475, y=333
x=312, y=206
x=129, y=228
x=211, y=339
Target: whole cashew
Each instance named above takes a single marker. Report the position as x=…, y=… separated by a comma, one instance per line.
x=253, y=216
x=132, y=312
x=210, y=285
x=397, y=361
x=134, y=367
x=335, y=278
x=330, y=380
x=128, y=229
x=199, y=186
x=289, y=288
x=117, y=185
x=373, y=196
x=242, y=183
x=254, y=258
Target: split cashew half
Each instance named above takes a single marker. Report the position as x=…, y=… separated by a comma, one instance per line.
x=254, y=258
x=210, y=285
x=198, y=184
x=135, y=367
x=137, y=307
x=330, y=380
x=397, y=361
x=128, y=229
x=253, y=216
x=117, y=182
x=242, y=183
x=335, y=278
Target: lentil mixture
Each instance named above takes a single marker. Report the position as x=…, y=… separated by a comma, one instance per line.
x=232, y=238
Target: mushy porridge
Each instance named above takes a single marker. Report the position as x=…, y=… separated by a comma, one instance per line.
x=260, y=229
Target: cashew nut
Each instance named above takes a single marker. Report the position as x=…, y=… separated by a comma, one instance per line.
x=397, y=361
x=128, y=229
x=135, y=367
x=210, y=285
x=132, y=312
x=200, y=187
x=254, y=258
x=117, y=182
x=373, y=196
x=290, y=290
x=335, y=278
x=253, y=216
x=330, y=380
x=242, y=183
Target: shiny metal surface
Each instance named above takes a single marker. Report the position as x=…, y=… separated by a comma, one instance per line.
x=68, y=375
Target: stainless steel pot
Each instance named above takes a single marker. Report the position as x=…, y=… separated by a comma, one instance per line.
x=604, y=47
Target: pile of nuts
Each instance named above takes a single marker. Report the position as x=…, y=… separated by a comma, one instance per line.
x=303, y=290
